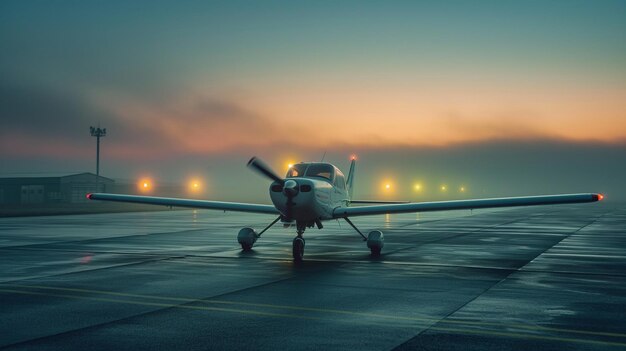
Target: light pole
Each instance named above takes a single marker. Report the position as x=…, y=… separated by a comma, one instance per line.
x=97, y=132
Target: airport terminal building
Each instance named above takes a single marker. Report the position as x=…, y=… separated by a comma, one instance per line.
x=25, y=189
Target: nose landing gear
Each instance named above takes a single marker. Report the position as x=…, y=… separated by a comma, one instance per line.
x=298, y=243
x=298, y=249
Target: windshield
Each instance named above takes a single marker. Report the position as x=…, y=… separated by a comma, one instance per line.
x=320, y=170
x=296, y=170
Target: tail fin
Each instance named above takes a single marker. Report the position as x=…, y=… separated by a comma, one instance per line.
x=350, y=181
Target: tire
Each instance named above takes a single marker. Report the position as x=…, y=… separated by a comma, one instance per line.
x=375, y=251
x=298, y=249
x=246, y=247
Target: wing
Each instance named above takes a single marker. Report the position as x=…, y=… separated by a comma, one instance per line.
x=341, y=212
x=377, y=202
x=167, y=201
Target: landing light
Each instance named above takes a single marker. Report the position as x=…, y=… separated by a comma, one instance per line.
x=462, y=189
x=387, y=186
x=289, y=164
x=443, y=188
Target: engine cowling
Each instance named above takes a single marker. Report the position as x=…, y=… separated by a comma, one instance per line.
x=246, y=238
x=375, y=241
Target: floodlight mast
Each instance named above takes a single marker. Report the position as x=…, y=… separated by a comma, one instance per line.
x=97, y=132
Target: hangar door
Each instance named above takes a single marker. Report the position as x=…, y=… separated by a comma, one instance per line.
x=32, y=194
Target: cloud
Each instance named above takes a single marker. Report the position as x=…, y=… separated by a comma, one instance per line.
x=38, y=121
x=501, y=125
x=40, y=112
x=203, y=124
x=35, y=121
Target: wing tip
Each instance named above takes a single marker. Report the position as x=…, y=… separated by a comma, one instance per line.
x=89, y=196
x=598, y=197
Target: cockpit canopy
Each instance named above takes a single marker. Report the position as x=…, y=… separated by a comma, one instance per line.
x=325, y=171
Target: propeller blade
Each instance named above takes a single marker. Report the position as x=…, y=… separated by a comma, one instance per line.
x=260, y=166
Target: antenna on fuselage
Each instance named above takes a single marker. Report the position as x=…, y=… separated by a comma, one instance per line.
x=323, y=156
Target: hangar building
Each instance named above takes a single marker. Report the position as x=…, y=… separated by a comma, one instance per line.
x=23, y=189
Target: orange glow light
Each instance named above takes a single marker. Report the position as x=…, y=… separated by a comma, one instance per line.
x=145, y=185
x=600, y=197
x=353, y=157
x=195, y=186
x=387, y=186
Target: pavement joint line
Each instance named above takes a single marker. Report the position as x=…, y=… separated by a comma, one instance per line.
x=312, y=309
x=165, y=307
x=209, y=256
x=529, y=336
x=498, y=282
x=566, y=237
x=105, y=238
x=477, y=230
x=280, y=315
x=33, y=247
x=90, y=270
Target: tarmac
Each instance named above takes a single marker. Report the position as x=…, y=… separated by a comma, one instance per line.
x=537, y=278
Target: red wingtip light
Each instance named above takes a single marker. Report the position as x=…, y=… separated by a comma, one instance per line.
x=353, y=157
x=89, y=196
x=600, y=197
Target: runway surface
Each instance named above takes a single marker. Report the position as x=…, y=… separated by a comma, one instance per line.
x=542, y=278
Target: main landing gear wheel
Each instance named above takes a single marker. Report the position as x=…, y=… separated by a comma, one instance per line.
x=246, y=238
x=375, y=241
x=298, y=249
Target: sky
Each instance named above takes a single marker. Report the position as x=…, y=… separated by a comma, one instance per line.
x=499, y=97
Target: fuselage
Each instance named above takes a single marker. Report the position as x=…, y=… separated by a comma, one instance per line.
x=319, y=188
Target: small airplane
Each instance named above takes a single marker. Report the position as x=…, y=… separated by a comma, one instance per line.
x=313, y=192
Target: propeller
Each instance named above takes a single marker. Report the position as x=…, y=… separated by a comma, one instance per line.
x=290, y=187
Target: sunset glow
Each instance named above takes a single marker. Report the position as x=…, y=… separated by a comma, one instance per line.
x=455, y=83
